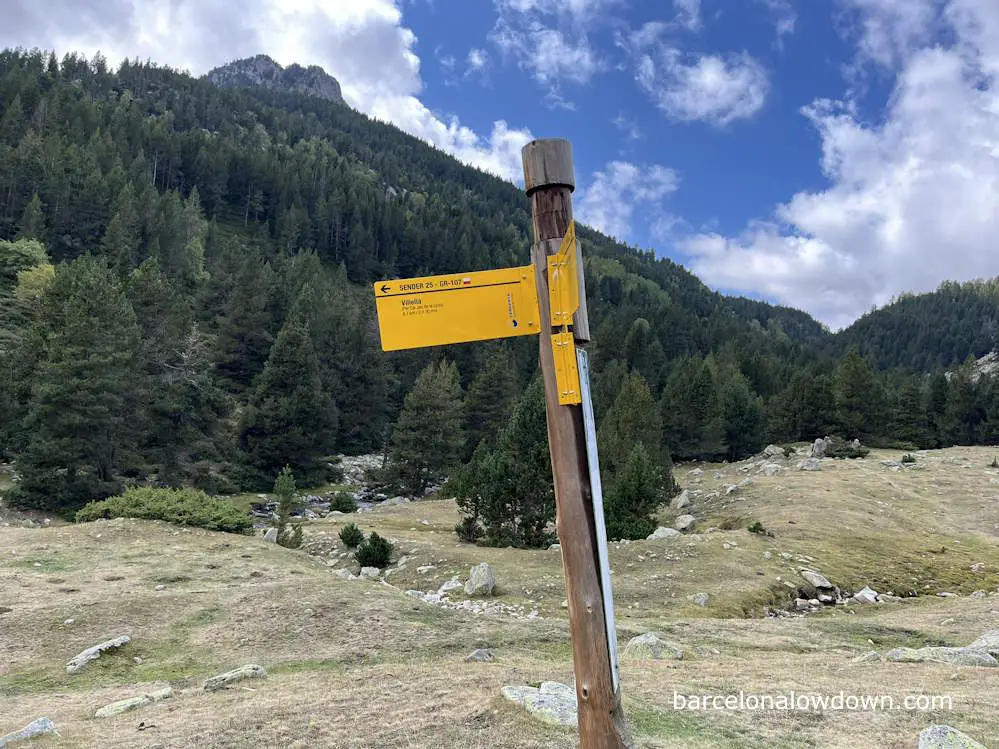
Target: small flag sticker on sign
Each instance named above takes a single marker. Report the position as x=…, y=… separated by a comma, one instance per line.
x=466, y=281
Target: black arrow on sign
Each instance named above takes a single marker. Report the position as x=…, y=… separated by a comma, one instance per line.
x=385, y=288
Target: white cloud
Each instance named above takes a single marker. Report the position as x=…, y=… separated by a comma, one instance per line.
x=549, y=39
x=363, y=43
x=609, y=202
x=627, y=126
x=688, y=13
x=708, y=88
x=477, y=59
x=889, y=31
x=784, y=17
x=913, y=199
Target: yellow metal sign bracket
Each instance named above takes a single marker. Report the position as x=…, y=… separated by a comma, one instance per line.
x=566, y=368
x=563, y=281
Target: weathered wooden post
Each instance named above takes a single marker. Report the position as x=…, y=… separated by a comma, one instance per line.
x=549, y=181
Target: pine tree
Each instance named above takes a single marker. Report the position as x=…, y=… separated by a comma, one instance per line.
x=246, y=329
x=284, y=490
x=745, y=425
x=32, y=223
x=507, y=494
x=632, y=420
x=965, y=408
x=429, y=437
x=121, y=241
x=910, y=423
x=632, y=500
x=860, y=402
x=289, y=420
x=490, y=398
x=81, y=416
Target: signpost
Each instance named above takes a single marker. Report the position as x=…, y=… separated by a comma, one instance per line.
x=546, y=298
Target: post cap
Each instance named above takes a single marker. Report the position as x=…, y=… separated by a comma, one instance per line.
x=547, y=163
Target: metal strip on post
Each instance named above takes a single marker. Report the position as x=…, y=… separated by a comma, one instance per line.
x=596, y=489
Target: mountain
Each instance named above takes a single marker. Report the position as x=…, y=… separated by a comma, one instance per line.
x=261, y=70
x=226, y=237
x=927, y=332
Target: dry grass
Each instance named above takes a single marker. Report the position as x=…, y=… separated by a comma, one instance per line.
x=360, y=664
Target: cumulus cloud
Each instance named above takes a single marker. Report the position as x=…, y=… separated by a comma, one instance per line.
x=784, y=17
x=363, y=43
x=609, y=202
x=913, y=199
x=709, y=88
x=688, y=13
x=889, y=31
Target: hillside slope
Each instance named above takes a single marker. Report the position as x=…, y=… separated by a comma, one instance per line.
x=359, y=663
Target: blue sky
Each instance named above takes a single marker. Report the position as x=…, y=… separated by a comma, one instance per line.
x=825, y=154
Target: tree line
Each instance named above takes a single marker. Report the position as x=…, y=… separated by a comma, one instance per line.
x=184, y=301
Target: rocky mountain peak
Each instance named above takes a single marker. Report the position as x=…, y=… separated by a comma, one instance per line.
x=261, y=70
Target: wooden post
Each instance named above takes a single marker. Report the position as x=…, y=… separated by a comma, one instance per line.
x=549, y=181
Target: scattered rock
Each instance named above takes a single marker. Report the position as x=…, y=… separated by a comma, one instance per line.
x=988, y=642
x=370, y=573
x=954, y=656
x=249, y=671
x=819, y=448
x=700, y=599
x=730, y=489
x=555, y=547
x=945, y=737
x=865, y=595
x=802, y=604
x=704, y=650
x=69, y=622
x=745, y=482
x=39, y=727
x=891, y=464
x=480, y=580
x=682, y=501
x=662, y=533
x=685, y=523
x=771, y=469
x=812, y=464
x=480, y=655
x=978, y=595
x=773, y=451
x=271, y=535
x=695, y=472
x=552, y=702
x=93, y=653
x=945, y=594
x=816, y=580
x=344, y=574
x=159, y=588
x=871, y=656
x=651, y=646
x=133, y=703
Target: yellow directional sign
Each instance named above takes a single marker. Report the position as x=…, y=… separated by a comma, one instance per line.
x=566, y=369
x=457, y=308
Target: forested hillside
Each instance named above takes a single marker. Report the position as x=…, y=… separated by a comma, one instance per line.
x=184, y=270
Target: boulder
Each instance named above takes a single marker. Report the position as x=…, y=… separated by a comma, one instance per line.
x=93, y=653
x=989, y=642
x=133, y=703
x=773, y=451
x=662, y=533
x=819, y=448
x=812, y=464
x=479, y=655
x=480, y=580
x=954, y=656
x=370, y=573
x=682, y=501
x=651, y=646
x=945, y=737
x=685, y=523
x=871, y=656
x=865, y=595
x=816, y=580
x=271, y=535
x=39, y=727
x=771, y=469
x=249, y=671
x=552, y=702
x=700, y=599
